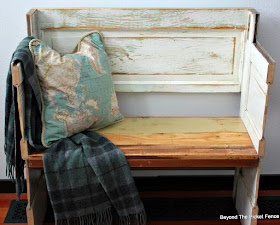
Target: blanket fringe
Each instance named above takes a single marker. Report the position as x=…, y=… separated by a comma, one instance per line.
x=10, y=171
x=103, y=217
x=134, y=219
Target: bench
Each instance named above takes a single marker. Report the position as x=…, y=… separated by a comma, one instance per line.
x=187, y=50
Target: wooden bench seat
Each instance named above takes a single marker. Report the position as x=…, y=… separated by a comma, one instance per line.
x=180, y=142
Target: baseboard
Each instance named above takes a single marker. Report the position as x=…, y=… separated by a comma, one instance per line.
x=179, y=183
x=200, y=183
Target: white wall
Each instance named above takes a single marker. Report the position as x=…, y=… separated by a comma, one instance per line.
x=13, y=29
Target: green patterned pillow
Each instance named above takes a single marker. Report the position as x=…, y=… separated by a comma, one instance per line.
x=77, y=91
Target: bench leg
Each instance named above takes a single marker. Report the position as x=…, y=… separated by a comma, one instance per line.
x=37, y=196
x=245, y=193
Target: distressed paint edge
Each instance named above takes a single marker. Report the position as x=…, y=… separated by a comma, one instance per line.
x=187, y=88
x=240, y=183
x=152, y=8
x=153, y=28
x=241, y=14
x=29, y=15
x=270, y=61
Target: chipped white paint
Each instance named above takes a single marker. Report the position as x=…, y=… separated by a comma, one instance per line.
x=249, y=36
x=252, y=132
x=251, y=181
x=257, y=100
x=187, y=87
x=166, y=59
x=260, y=72
x=246, y=193
x=167, y=56
x=125, y=18
x=263, y=62
x=144, y=60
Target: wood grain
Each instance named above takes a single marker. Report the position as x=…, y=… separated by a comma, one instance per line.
x=29, y=21
x=18, y=78
x=37, y=207
x=179, y=142
x=32, y=180
x=185, y=194
x=175, y=125
x=200, y=194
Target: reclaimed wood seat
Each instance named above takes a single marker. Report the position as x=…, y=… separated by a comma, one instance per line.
x=183, y=50
x=179, y=142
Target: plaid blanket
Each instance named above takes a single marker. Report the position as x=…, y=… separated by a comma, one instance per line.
x=87, y=176
x=14, y=163
x=88, y=179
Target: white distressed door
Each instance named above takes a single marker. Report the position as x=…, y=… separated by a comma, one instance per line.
x=259, y=73
x=254, y=106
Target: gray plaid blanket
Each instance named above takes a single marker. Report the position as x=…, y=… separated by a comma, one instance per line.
x=87, y=176
x=88, y=180
x=14, y=163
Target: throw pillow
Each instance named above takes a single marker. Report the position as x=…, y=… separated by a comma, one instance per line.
x=77, y=91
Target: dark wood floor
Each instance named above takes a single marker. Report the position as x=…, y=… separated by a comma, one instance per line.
x=6, y=198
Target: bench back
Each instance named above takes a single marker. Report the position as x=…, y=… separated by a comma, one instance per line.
x=168, y=50
x=156, y=49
